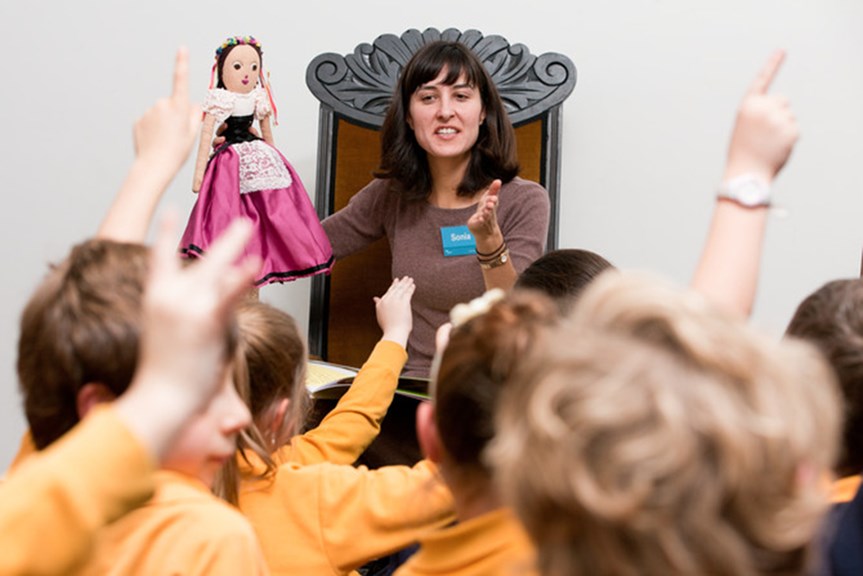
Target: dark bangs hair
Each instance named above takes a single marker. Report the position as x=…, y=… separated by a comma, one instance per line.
x=405, y=163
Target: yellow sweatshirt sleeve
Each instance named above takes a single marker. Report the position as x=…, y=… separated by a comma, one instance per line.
x=345, y=433
x=366, y=514
x=55, y=501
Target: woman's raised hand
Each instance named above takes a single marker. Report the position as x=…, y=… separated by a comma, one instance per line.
x=483, y=224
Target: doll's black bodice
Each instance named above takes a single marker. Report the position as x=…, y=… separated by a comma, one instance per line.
x=238, y=129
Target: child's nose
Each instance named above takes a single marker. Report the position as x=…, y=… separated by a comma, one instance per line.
x=236, y=415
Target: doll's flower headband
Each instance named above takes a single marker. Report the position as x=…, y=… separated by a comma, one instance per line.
x=265, y=78
x=235, y=40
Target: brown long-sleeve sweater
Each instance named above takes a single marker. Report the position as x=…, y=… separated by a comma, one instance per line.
x=413, y=230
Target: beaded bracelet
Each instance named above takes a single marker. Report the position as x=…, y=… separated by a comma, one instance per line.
x=499, y=260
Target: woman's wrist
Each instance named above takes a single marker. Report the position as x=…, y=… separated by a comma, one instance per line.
x=488, y=244
x=497, y=257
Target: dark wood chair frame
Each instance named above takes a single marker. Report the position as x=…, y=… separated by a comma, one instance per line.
x=357, y=88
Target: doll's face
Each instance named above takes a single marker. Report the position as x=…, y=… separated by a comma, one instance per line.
x=241, y=69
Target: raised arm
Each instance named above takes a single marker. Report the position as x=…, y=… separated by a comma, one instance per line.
x=355, y=422
x=163, y=139
x=492, y=252
x=59, y=498
x=187, y=313
x=764, y=135
x=509, y=233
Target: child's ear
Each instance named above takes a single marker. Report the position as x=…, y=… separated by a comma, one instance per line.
x=427, y=434
x=91, y=394
x=279, y=422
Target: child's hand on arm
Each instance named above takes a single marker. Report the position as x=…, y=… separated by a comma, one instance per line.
x=164, y=135
x=765, y=130
x=393, y=311
x=355, y=421
x=764, y=134
x=187, y=314
x=163, y=138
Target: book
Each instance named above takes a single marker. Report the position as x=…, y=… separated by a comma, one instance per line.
x=326, y=380
x=397, y=442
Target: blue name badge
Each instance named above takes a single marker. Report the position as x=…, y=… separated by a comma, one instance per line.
x=457, y=241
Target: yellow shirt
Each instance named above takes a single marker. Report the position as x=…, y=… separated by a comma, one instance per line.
x=493, y=544
x=844, y=489
x=349, y=428
x=183, y=529
x=332, y=519
x=25, y=448
x=54, y=503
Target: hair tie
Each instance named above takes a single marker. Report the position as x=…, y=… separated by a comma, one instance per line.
x=461, y=313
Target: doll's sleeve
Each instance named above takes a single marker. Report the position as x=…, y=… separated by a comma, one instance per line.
x=262, y=104
x=219, y=104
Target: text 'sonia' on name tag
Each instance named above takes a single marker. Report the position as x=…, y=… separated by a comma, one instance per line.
x=457, y=241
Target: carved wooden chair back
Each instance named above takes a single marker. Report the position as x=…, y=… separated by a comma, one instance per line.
x=354, y=91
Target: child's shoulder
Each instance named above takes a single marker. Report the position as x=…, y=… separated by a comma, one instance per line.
x=190, y=505
x=183, y=529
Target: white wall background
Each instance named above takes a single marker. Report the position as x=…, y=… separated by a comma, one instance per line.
x=644, y=136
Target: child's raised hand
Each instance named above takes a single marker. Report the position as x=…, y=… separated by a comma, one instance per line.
x=765, y=130
x=187, y=318
x=164, y=135
x=393, y=310
x=163, y=138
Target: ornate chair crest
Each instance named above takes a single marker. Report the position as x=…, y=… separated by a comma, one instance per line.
x=354, y=91
x=359, y=86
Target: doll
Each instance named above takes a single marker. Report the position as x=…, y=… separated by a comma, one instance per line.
x=248, y=177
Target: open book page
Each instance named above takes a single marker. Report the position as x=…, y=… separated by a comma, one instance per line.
x=327, y=380
x=320, y=375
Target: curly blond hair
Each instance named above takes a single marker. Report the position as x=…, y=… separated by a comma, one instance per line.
x=652, y=435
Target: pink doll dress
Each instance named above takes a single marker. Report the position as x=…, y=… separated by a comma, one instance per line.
x=247, y=177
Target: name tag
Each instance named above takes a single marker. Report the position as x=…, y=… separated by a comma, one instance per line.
x=457, y=241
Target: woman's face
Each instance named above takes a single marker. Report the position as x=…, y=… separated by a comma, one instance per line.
x=446, y=119
x=241, y=69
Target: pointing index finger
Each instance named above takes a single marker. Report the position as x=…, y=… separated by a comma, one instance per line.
x=181, y=76
x=768, y=73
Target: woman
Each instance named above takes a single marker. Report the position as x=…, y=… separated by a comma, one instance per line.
x=448, y=167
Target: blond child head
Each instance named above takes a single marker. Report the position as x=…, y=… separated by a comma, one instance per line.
x=269, y=370
x=652, y=435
